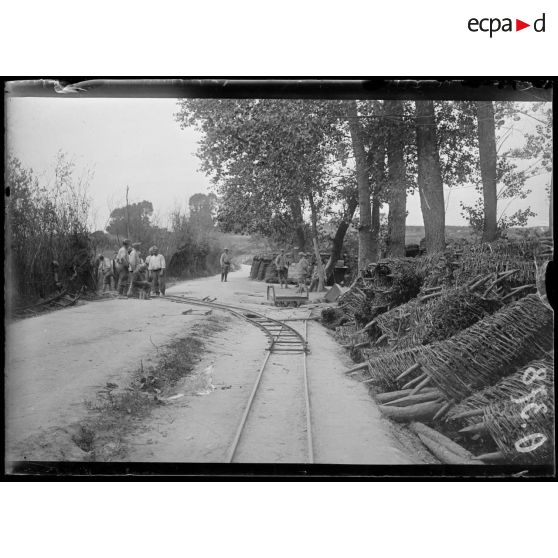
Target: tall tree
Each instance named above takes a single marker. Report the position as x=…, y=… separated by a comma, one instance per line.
x=350, y=202
x=366, y=245
x=488, y=162
x=397, y=183
x=430, y=184
x=131, y=220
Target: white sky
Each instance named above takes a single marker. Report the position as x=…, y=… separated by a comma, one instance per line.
x=136, y=142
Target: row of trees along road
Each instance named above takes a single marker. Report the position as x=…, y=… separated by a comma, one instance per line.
x=282, y=168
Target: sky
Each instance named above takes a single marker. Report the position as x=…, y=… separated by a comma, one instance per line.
x=137, y=143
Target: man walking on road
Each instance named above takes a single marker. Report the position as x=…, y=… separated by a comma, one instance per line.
x=156, y=266
x=122, y=266
x=225, y=264
x=282, y=268
x=134, y=262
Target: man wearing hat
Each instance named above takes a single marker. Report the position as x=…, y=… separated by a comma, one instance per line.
x=134, y=264
x=122, y=266
x=225, y=264
x=150, y=253
x=156, y=266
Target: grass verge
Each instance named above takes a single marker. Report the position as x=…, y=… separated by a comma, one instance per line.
x=117, y=410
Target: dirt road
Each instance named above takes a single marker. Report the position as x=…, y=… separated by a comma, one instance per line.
x=57, y=361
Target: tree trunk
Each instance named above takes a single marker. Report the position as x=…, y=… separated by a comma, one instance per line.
x=550, y=210
x=397, y=188
x=430, y=184
x=376, y=165
x=487, y=151
x=296, y=212
x=376, y=204
x=314, y=219
x=338, y=239
x=365, y=237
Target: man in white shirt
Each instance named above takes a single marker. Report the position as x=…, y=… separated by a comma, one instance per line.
x=150, y=253
x=156, y=266
x=122, y=266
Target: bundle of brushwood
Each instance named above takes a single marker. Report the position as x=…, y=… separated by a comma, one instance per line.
x=515, y=416
x=485, y=352
x=533, y=444
x=536, y=375
x=256, y=262
x=385, y=368
x=473, y=359
x=333, y=317
x=266, y=261
x=388, y=283
x=438, y=318
x=438, y=269
x=355, y=300
x=501, y=256
x=271, y=273
x=347, y=335
x=395, y=281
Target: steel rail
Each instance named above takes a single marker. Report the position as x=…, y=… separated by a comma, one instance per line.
x=274, y=329
x=307, y=400
x=285, y=331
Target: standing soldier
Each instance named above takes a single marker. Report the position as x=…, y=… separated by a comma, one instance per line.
x=225, y=264
x=157, y=271
x=122, y=265
x=282, y=268
x=134, y=262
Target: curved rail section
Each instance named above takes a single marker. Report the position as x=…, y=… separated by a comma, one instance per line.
x=284, y=339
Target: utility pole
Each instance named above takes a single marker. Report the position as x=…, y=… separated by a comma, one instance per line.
x=127, y=214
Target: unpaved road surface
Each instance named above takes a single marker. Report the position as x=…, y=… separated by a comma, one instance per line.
x=57, y=361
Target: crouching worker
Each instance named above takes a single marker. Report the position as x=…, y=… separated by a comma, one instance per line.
x=141, y=284
x=157, y=271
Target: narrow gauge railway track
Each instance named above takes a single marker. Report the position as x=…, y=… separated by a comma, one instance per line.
x=283, y=339
x=61, y=300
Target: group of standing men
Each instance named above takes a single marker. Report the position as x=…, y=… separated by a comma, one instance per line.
x=130, y=271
